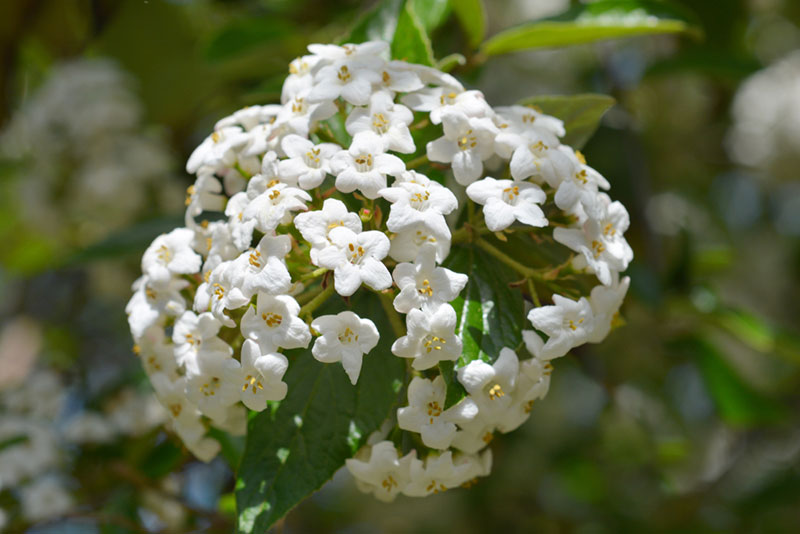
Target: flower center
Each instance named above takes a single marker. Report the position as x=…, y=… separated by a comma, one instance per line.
x=598, y=248
x=467, y=141
x=386, y=78
x=253, y=383
x=431, y=342
x=344, y=74
x=609, y=230
x=312, y=158
x=528, y=118
x=511, y=194
x=434, y=488
x=189, y=194
x=348, y=336
x=434, y=410
x=380, y=123
x=388, y=483
x=209, y=389
x=298, y=67
x=364, y=163
x=495, y=392
x=164, y=254
x=272, y=319
x=448, y=99
x=425, y=289
x=538, y=147
x=175, y=409
x=219, y=291
x=355, y=253
x=255, y=259
x=299, y=106
x=573, y=324
x=420, y=238
x=419, y=200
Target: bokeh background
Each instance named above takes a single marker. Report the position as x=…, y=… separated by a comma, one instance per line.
x=687, y=419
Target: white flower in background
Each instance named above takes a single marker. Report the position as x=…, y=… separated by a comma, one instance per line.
x=605, y=302
x=533, y=382
x=345, y=338
x=567, y=323
x=491, y=386
x=364, y=166
x=416, y=199
x=315, y=226
x=182, y=412
x=219, y=148
x=379, y=470
x=438, y=475
x=505, y=201
x=260, y=376
x=262, y=269
x=156, y=352
x=274, y=323
x=196, y=341
x=387, y=120
x=274, y=204
x=431, y=338
x=249, y=117
x=355, y=259
x=241, y=229
x=45, y=498
x=466, y=143
x=307, y=163
x=209, y=388
x=601, y=241
x=437, y=101
x=424, y=285
x=426, y=415
x=407, y=244
x=171, y=254
x=204, y=195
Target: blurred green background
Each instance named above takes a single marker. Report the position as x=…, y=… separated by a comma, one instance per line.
x=685, y=420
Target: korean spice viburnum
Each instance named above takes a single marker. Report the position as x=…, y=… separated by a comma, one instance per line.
x=371, y=181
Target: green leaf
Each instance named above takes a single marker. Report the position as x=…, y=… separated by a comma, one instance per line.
x=432, y=13
x=581, y=113
x=411, y=42
x=490, y=314
x=245, y=35
x=472, y=16
x=737, y=403
x=748, y=328
x=584, y=23
x=379, y=23
x=292, y=451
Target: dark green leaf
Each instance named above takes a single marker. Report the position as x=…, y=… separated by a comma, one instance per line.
x=293, y=450
x=490, y=314
x=128, y=241
x=411, y=42
x=581, y=113
x=737, y=403
x=379, y=23
x=472, y=16
x=245, y=35
x=584, y=23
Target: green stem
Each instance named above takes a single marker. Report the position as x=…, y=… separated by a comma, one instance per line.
x=468, y=233
x=534, y=294
x=241, y=171
x=508, y=260
x=416, y=162
x=313, y=274
x=394, y=318
x=317, y=301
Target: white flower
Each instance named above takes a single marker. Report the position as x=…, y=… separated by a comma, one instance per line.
x=567, y=323
x=209, y=389
x=215, y=242
x=196, y=341
x=472, y=466
x=204, y=448
x=536, y=155
x=601, y=241
x=217, y=149
x=580, y=187
x=156, y=352
x=504, y=201
x=45, y=498
x=221, y=292
x=397, y=76
x=241, y=229
x=387, y=120
x=300, y=78
x=263, y=268
x=438, y=475
x=364, y=166
x=438, y=101
x=466, y=143
x=533, y=381
x=315, y=226
x=274, y=323
x=298, y=116
x=475, y=435
x=348, y=78
x=369, y=52
x=431, y=338
x=204, y=195
x=274, y=204
x=308, y=164
x=407, y=244
x=425, y=412
x=151, y=305
x=424, y=285
x=183, y=414
x=417, y=199
x=356, y=258
x=248, y=117
x=522, y=119
x=383, y=473
x=491, y=386
x=344, y=337
x=259, y=375
x=606, y=301
x=171, y=254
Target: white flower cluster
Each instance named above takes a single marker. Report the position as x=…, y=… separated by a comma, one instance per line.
x=220, y=299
